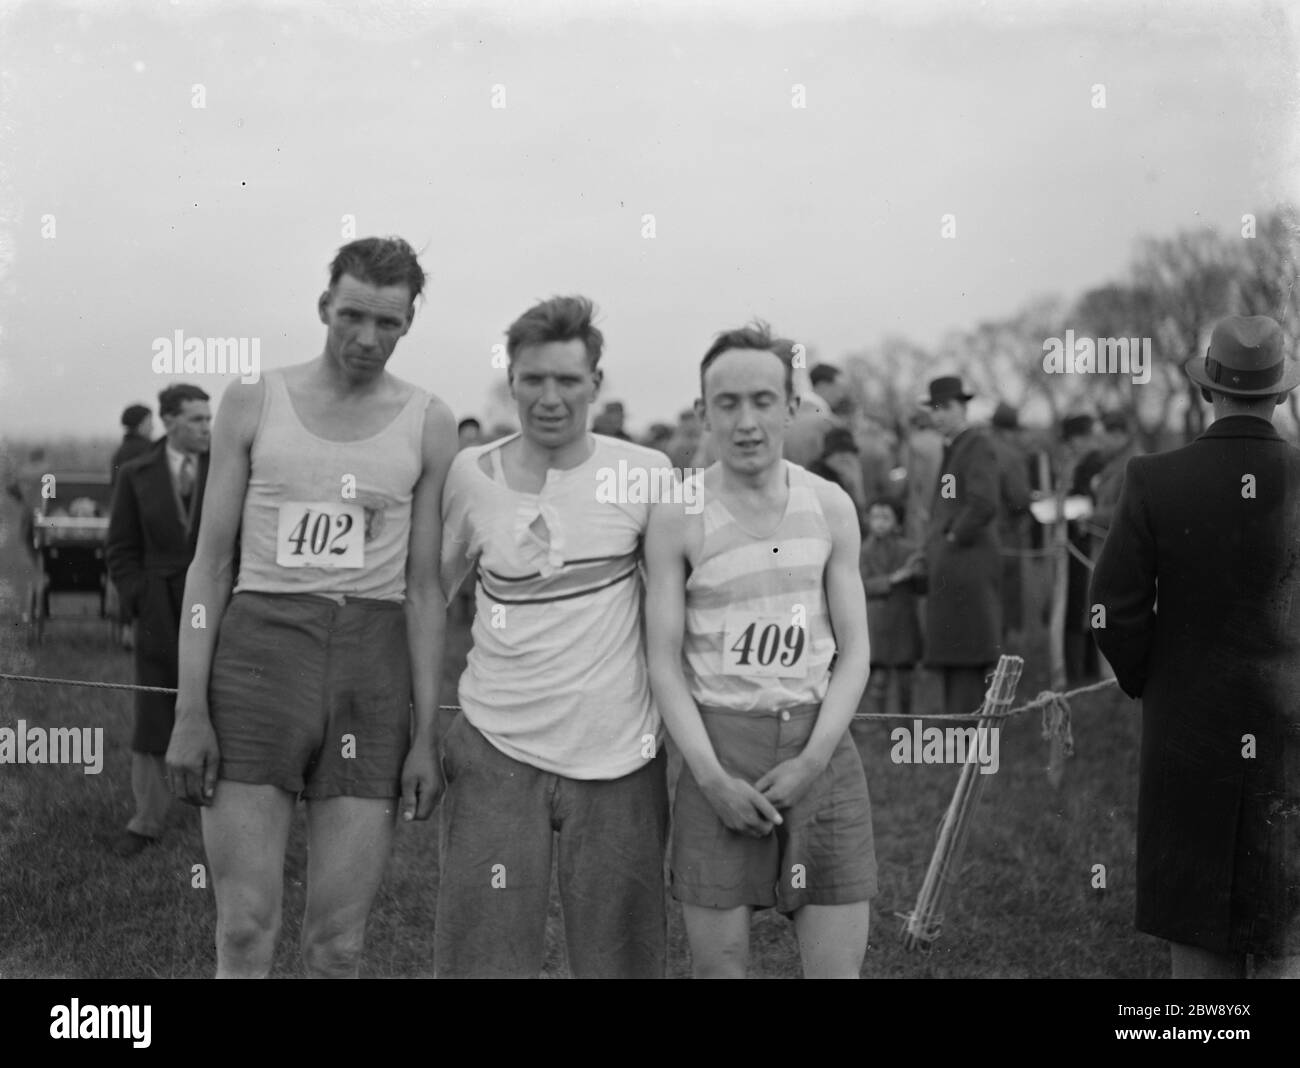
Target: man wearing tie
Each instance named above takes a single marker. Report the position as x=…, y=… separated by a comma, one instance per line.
x=151, y=535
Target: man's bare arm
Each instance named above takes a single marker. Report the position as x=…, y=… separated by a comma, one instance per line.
x=846, y=602
x=426, y=608
x=737, y=803
x=192, y=756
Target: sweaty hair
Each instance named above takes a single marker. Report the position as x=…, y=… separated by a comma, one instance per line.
x=379, y=261
x=173, y=398
x=557, y=319
x=756, y=335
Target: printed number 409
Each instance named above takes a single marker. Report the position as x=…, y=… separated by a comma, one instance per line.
x=771, y=642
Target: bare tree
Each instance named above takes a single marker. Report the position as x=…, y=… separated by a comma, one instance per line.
x=889, y=377
x=1190, y=279
x=1122, y=311
x=1267, y=270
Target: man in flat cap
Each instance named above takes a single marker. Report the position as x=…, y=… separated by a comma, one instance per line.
x=963, y=613
x=1214, y=528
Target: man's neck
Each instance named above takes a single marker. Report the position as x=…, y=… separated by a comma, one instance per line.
x=1224, y=412
x=178, y=450
x=335, y=382
x=539, y=459
x=768, y=482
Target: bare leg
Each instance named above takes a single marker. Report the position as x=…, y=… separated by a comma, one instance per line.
x=719, y=941
x=833, y=939
x=348, y=843
x=245, y=830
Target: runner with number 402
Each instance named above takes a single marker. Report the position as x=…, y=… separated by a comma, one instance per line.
x=317, y=676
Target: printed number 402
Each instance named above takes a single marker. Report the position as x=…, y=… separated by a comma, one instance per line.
x=318, y=537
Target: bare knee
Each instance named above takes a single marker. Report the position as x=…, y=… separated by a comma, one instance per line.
x=246, y=941
x=333, y=950
x=719, y=941
x=833, y=939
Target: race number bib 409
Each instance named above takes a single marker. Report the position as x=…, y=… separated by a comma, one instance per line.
x=320, y=534
x=764, y=646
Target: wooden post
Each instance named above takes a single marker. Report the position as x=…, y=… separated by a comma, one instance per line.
x=921, y=925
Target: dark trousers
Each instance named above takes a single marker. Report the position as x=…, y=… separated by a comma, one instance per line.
x=963, y=688
x=876, y=698
x=499, y=818
x=1082, y=660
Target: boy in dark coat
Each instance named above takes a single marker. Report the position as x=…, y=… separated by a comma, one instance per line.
x=892, y=579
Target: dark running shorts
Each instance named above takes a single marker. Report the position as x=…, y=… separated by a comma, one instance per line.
x=823, y=854
x=312, y=696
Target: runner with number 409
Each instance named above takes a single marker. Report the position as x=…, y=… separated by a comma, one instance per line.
x=748, y=603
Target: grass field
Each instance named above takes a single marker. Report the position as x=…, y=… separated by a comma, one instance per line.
x=1022, y=905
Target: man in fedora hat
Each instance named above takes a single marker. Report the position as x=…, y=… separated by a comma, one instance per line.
x=963, y=613
x=1214, y=529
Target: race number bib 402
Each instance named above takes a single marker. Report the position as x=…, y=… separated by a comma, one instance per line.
x=764, y=646
x=320, y=534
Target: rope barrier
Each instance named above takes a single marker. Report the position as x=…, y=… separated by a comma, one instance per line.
x=1043, y=700
x=1043, y=554
x=124, y=686
x=1056, y=721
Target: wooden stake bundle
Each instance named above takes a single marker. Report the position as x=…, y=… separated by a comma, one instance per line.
x=921, y=926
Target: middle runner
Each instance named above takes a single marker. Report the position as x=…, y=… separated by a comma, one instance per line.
x=558, y=733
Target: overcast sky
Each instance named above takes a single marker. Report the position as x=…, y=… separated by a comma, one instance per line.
x=824, y=219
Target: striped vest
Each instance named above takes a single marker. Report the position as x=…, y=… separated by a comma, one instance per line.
x=754, y=605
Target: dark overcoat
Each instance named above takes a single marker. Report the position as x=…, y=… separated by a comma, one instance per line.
x=1013, y=512
x=132, y=447
x=892, y=619
x=150, y=545
x=1214, y=529
x=963, y=612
